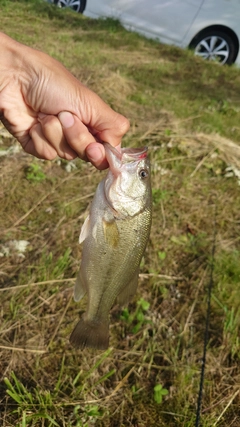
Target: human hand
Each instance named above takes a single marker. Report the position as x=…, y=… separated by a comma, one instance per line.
x=49, y=111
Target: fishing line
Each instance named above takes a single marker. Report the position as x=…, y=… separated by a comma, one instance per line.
x=206, y=334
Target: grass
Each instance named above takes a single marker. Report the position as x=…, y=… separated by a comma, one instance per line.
x=187, y=112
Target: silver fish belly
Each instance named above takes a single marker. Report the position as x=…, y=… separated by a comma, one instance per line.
x=114, y=237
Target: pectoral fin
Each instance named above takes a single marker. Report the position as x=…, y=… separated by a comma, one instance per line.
x=85, y=230
x=129, y=291
x=111, y=233
x=79, y=288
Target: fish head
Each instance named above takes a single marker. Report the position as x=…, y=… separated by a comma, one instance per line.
x=128, y=182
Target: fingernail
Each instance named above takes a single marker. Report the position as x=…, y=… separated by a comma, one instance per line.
x=66, y=119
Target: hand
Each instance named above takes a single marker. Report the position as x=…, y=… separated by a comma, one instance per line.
x=49, y=111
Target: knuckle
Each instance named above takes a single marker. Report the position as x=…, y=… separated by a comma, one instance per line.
x=123, y=124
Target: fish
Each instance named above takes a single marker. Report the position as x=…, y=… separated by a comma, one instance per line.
x=114, y=237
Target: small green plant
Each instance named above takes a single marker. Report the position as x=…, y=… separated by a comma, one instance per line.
x=34, y=173
x=91, y=412
x=159, y=392
x=158, y=195
x=162, y=255
x=138, y=318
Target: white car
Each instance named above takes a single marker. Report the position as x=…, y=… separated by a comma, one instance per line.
x=210, y=27
x=76, y=5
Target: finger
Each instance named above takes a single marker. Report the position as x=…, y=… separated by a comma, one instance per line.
x=113, y=130
x=77, y=134
x=95, y=153
x=103, y=122
x=53, y=132
x=37, y=145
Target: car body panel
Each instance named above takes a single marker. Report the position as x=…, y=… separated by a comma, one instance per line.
x=170, y=21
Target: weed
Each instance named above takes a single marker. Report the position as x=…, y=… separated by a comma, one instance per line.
x=138, y=318
x=31, y=405
x=34, y=173
x=159, y=195
x=162, y=255
x=159, y=392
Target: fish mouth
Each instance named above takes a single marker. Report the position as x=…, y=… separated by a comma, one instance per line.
x=116, y=158
x=130, y=154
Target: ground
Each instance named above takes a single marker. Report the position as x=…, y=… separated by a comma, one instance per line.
x=187, y=112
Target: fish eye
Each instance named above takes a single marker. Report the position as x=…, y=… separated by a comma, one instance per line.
x=143, y=173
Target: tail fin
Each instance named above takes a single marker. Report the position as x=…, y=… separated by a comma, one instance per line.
x=89, y=333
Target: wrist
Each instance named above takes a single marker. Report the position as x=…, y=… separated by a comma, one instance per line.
x=7, y=59
x=12, y=62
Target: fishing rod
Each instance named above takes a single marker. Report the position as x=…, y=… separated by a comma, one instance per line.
x=207, y=324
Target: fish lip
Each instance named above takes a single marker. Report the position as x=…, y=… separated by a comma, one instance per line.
x=116, y=158
x=111, y=151
x=134, y=153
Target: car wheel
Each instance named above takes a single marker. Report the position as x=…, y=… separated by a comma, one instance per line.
x=76, y=5
x=215, y=46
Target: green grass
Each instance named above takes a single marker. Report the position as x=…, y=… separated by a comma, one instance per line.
x=187, y=112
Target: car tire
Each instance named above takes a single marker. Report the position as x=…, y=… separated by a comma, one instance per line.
x=76, y=5
x=215, y=45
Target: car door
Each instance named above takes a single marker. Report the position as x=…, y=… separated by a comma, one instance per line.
x=167, y=20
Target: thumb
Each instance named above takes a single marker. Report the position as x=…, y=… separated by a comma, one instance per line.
x=76, y=133
x=81, y=140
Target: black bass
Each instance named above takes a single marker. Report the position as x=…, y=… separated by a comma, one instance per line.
x=114, y=237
